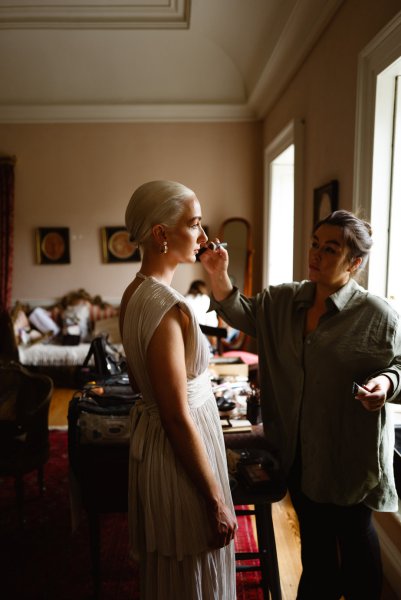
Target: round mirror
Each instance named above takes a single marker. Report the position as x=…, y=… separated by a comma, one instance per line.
x=237, y=233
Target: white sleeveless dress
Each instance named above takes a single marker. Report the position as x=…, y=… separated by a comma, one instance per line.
x=168, y=526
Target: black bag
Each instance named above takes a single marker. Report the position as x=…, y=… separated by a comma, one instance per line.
x=98, y=444
x=108, y=360
x=100, y=413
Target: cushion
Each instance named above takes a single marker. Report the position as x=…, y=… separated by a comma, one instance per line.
x=247, y=357
x=98, y=313
x=42, y=321
x=76, y=320
x=20, y=324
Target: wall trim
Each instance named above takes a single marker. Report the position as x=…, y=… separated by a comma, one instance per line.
x=381, y=52
x=291, y=50
x=133, y=14
x=126, y=113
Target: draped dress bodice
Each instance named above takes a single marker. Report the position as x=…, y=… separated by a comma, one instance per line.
x=166, y=512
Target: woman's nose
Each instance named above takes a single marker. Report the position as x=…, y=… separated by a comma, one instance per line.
x=203, y=235
x=315, y=252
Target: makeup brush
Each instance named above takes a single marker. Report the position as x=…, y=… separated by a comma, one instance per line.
x=211, y=246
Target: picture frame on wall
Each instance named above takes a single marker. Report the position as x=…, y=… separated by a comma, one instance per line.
x=52, y=245
x=117, y=247
x=325, y=200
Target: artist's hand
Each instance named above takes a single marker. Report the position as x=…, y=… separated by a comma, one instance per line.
x=223, y=524
x=377, y=390
x=215, y=261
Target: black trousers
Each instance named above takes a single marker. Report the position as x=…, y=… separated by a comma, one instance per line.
x=340, y=550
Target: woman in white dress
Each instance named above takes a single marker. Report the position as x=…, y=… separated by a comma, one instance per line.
x=181, y=517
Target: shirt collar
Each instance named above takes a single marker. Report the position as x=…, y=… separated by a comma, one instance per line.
x=306, y=293
x=341, y=297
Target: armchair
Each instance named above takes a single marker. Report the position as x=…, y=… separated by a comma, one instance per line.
x=24, y=434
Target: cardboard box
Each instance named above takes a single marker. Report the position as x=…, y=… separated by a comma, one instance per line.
x=229, y=369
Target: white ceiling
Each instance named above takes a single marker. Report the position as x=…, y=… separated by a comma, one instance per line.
x=105, y=60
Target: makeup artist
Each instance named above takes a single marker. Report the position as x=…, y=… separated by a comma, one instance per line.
x=335, y=447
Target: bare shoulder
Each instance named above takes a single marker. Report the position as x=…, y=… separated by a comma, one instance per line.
x=174, y=318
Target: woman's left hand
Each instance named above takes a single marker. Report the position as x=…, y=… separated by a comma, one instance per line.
x=377, y=390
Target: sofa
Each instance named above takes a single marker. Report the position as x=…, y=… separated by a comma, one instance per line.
x=56, y=339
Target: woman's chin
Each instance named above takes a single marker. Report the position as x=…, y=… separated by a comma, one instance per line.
x=188, y=260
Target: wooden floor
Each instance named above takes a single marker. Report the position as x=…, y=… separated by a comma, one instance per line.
x=284, y=518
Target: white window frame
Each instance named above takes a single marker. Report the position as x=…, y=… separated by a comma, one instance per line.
x=372, y=175
x=372, y=180
x=293, y=133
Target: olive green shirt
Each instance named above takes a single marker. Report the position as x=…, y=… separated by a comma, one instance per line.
x=306, y=387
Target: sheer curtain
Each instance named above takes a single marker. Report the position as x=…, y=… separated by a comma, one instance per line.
x=7, y=164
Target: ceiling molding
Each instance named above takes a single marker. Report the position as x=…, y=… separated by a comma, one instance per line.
x=310, y=16
x=135, y=14
x=126, y=114
x=49, y=66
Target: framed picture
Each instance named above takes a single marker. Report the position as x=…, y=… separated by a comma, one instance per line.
x=52, y=245
x=117, y=247
x=325, y=200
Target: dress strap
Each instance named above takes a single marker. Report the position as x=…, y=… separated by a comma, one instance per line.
x=141, y=275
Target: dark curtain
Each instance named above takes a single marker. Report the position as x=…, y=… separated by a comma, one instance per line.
x=6, y=230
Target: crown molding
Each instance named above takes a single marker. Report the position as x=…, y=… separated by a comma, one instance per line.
x=135, y=14
x=125, y=113
x=291, y=50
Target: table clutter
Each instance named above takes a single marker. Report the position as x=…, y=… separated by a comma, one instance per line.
x=98, y=452
x=238, y=402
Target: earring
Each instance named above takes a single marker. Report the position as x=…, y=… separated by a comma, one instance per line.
x=164, y=248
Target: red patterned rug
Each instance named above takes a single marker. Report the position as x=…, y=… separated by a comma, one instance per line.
x=45, y=561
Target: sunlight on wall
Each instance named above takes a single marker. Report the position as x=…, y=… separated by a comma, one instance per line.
x=281, y=230
x=384, y=276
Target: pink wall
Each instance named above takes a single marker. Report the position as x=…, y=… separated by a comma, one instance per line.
x=323, y=93
x=81, y=176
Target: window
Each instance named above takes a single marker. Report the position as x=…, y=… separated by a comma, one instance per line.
x=283, y=207
x=393, y=283
x=377, y=191
x=386, y=190
x=377, y=185
x=280, y=239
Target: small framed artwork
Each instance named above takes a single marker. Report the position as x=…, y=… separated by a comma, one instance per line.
x=52, y=245
x=325, y=200
x=117, y=247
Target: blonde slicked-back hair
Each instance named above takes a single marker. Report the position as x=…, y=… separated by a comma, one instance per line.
x=153, y=203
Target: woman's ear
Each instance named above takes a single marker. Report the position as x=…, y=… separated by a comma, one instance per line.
x=159, y=234
x=355, y=264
